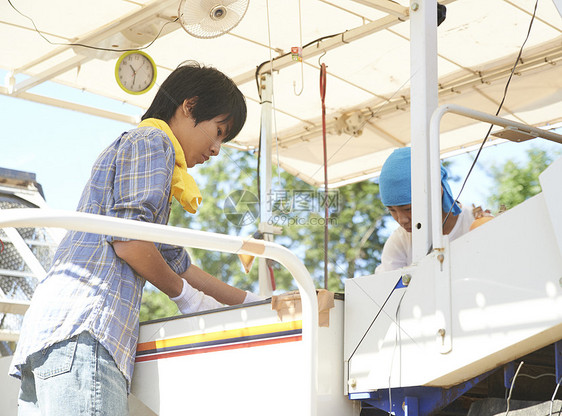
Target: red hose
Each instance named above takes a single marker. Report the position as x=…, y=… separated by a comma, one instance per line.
x=271, y=276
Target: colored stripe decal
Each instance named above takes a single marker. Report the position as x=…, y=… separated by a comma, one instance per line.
x=221, y=340
x=218, y=348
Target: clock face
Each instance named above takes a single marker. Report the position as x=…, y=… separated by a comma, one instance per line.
x=135, y=72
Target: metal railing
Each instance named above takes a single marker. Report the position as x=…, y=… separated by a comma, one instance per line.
x=98, y=224
x=435, y=162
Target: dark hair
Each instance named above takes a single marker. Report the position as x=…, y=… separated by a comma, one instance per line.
x=213, y=92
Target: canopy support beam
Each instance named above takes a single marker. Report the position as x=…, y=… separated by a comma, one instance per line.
x=68, y=105
x=423, y=69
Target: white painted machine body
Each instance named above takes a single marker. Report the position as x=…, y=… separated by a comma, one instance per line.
x=495, y=297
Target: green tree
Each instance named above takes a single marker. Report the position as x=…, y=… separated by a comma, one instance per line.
x=232, y=172
x=516, y=182
x=357, y=219
x=356, y=215
x=229, y=183
x=155, y=305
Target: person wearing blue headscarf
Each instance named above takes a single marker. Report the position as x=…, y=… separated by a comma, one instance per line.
x=395, y=187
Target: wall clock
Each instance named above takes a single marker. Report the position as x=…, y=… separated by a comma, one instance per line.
x=135, y=72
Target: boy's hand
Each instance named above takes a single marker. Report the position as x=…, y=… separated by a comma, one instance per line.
x=191, y=300
x=252, y=297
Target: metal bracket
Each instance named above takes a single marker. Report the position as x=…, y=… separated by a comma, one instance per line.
x=508, y=374
x=443, y=317
x=413, y=401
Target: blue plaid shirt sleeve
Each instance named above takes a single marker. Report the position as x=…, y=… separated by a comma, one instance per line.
x=176, y=257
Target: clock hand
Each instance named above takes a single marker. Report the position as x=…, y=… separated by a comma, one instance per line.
x=134, y=74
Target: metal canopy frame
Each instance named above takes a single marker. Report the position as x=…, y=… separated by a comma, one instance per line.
x=364, y=44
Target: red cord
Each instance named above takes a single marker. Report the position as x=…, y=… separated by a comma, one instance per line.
x=271, y=276
x=2, y=243
x=323, y=84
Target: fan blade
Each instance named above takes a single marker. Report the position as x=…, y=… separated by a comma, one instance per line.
x=221, y=26
x=192, y=13
x=209, y=5
x=211, y=28
x=230, y=21
x=229, y=2
x=196, y=19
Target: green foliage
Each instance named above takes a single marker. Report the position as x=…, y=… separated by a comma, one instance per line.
x=232, y=171
x=155, y=305
x=354, y=245
x=516, y=182
x=355, y=218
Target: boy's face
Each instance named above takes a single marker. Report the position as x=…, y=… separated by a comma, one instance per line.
x=403, y=215
x=199, y=142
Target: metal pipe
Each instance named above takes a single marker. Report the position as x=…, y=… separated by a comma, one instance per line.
x=325, y=153
x=265, y=169
x=98, y=224
x=435, y=163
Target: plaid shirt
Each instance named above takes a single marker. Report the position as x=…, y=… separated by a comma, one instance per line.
x=88, y=287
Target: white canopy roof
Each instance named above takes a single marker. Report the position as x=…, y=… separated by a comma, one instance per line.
x=364, y=43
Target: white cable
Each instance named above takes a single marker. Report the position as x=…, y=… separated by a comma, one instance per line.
x=553, y=396
x=397, y=341
x=511, y=387
x=539, y=376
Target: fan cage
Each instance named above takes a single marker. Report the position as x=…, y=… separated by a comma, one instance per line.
x=208, y=19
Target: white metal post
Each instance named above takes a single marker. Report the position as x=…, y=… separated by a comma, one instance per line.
x=423, y=94
x=443, y=302
x=266, y=93
x=434, y=145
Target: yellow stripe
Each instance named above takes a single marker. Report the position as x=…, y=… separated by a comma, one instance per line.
x=219, y=335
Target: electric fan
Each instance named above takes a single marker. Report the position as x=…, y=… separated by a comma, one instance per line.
x=211, y=18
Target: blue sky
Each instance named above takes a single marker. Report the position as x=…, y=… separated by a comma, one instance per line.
x=60, y=146
x=479, y=186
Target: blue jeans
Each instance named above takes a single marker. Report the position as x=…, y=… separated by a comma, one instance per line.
x=73, y=377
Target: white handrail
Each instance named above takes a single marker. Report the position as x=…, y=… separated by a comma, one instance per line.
x=435, y=162
x=98, y=224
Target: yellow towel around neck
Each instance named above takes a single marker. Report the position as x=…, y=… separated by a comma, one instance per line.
x=184, y=188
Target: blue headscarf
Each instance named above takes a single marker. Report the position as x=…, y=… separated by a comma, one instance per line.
x=395, y=182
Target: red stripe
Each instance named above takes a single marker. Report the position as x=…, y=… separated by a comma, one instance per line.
x=220, y=348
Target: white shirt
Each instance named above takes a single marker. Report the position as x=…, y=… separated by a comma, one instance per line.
x=397, y=251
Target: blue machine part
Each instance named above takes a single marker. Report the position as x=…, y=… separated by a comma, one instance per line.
x=508, y=374
x=558, y=360
x=415, y=401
